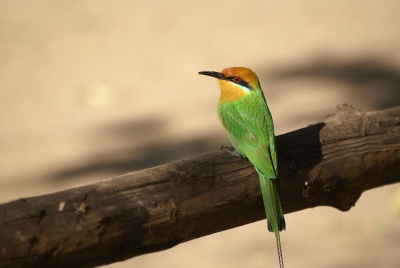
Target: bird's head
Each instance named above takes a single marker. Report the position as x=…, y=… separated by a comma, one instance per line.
x=235, y=82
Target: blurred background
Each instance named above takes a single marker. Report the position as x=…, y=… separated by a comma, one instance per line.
x=94, y=89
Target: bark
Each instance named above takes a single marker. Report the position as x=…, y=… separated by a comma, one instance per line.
x=329, y=163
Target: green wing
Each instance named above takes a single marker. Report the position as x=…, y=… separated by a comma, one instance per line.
x=250, y=128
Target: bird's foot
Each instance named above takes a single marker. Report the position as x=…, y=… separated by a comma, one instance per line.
x=232, y=152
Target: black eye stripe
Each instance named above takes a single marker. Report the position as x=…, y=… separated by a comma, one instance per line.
x=241, y=82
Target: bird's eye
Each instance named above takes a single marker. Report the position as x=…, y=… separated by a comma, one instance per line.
x=236, y=79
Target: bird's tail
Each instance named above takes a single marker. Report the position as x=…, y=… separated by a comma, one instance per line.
x=273, y=211
x=278, y=245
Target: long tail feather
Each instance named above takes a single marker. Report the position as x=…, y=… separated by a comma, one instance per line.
x=278, y=245
x=273, y=211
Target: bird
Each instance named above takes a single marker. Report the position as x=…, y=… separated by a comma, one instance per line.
x=243, y=112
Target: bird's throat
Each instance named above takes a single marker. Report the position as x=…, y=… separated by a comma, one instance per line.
x=231, y=92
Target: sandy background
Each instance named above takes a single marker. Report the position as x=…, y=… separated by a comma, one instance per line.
x=93, y=89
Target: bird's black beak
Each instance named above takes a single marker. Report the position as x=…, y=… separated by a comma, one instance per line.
x=217, y=75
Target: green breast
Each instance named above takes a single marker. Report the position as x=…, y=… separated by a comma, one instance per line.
x=250, y=129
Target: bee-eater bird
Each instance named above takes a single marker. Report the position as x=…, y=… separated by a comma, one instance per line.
x=243, y=111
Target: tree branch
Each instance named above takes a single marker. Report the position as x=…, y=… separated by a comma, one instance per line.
x=326, y=164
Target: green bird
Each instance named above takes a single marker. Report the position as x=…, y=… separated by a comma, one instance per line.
x=243, y=111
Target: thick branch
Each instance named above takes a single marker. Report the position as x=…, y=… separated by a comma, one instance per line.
x=327, y=164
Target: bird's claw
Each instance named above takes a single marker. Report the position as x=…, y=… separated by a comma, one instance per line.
x=230, y=151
